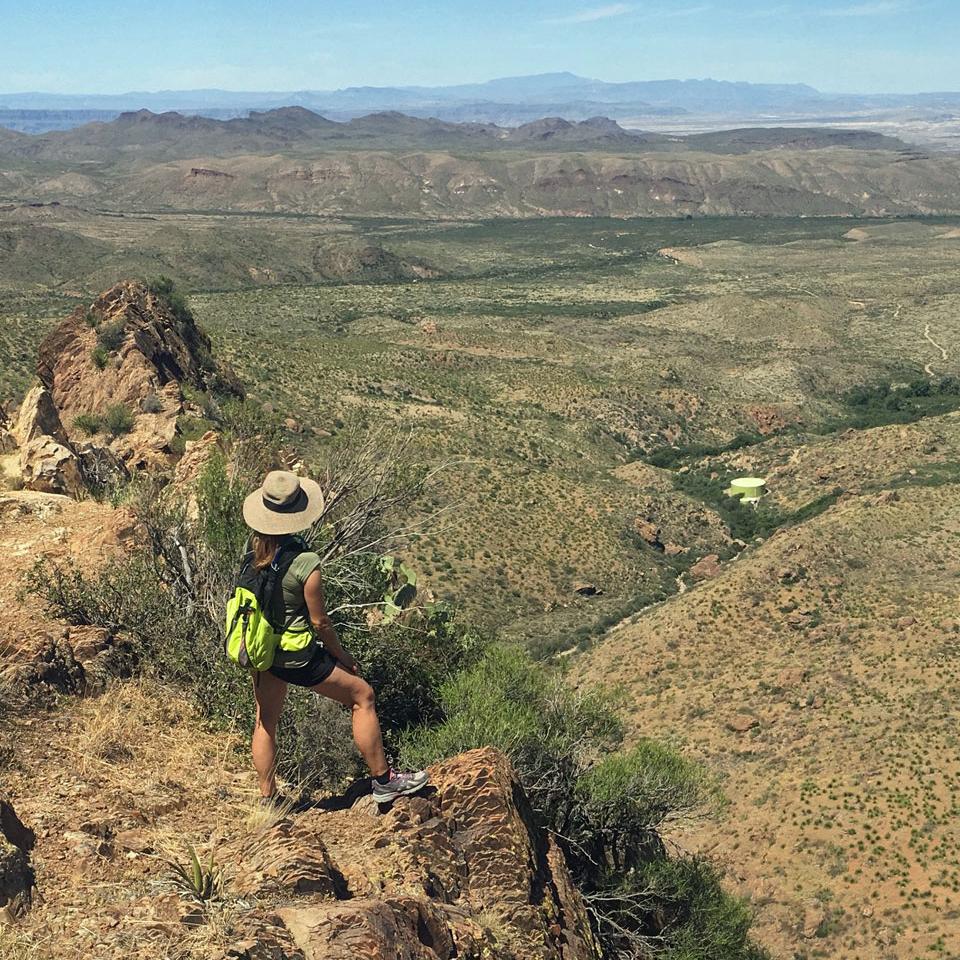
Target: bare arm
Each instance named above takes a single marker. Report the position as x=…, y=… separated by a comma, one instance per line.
x=316, y=607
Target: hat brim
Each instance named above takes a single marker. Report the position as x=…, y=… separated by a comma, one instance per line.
x=277, y=523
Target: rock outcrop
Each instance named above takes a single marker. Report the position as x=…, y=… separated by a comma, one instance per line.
x=459, y=871
x=38, y=417
x=131, y=351
x=112, y=392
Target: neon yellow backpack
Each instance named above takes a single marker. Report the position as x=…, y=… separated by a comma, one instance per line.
x=255, y=612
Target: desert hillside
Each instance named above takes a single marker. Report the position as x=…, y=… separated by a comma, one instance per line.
x=293, y=161
x=816, y=671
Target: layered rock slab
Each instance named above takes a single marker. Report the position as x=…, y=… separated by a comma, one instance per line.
x=461, y=870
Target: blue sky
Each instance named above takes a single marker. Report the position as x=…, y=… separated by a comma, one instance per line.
x=108, y=46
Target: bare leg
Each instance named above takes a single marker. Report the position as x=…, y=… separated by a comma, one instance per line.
x=354, y=692
x=270, y=692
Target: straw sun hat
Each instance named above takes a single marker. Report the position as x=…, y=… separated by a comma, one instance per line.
x=284, y=504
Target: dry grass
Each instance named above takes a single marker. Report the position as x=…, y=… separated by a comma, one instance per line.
x=135, y=761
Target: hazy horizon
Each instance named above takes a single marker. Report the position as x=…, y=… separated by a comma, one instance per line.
x=836, y=46
x=135, y=91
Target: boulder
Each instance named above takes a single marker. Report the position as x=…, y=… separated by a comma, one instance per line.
x=49, y=467
x=512, y=872
x=38, y=417
x=813, y=919
x=706, y=568
x=742, y=722
x=393, y=928
x=461, y=869
x=53, y=670
x=649, y=532
x=288, y=860
x=585, y=589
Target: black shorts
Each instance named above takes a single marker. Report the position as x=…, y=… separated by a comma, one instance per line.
x=316, y=670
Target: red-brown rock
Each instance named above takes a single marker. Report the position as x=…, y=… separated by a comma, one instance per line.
x=38, y=417
x=49, y=467
x=16, y=873
x=459, y=870
x=707, y=568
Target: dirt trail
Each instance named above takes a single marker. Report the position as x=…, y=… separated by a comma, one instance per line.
x=944, y=356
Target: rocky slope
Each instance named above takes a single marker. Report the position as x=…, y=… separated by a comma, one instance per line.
x=457, y=872
x=172, y=135
x=104, y=781
x=393, y=165
x=438, y=183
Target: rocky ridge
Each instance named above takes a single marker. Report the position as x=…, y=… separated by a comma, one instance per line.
x=114, y=382
x=461, y=871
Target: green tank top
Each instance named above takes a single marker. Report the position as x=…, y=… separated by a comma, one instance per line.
x=293, y=582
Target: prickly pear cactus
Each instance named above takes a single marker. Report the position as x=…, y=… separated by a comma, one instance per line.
x=401, y=589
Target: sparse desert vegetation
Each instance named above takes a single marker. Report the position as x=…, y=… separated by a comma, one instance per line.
x=591, y=387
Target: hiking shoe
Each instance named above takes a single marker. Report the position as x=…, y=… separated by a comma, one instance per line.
x=399, y=785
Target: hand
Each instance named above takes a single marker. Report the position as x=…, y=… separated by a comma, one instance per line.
x=349, y=663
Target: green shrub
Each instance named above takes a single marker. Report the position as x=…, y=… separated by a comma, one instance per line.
x=623, y=801
x=100, y=357
x=110, y=335
x=171, y=594
x=673, y=456
x=200, y=881
x=151, y=403
x=673, y=908
x=528, y=713
x=118, y=420
x=604, y=808
x=166, y=289
x=879, y=404
x=88, y=423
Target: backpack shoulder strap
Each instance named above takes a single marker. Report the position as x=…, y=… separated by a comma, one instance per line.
x=279, y=568
x=245, y=558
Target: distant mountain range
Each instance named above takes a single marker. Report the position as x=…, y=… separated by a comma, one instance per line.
x=293, y=160
x=144, y=135
x=509, y=101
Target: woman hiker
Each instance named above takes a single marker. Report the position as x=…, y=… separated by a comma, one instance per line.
x=287, y=504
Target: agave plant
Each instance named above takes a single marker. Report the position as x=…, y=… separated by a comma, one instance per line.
x=201, y=881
